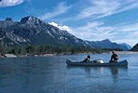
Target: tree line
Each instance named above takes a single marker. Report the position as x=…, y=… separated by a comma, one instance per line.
x=47, y=49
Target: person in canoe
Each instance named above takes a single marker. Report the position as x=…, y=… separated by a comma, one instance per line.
x=114, y=57
x=87, y=59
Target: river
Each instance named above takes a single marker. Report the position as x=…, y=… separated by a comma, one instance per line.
x=51, y=75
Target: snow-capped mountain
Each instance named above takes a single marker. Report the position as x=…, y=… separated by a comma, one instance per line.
x=31, y=30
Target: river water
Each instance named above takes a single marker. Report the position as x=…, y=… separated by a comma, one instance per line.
x=51, y=75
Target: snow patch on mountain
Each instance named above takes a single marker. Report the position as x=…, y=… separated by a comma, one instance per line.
x=64, y=27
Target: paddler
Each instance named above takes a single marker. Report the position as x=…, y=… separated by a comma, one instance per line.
x=114, y=57
x=87, y=59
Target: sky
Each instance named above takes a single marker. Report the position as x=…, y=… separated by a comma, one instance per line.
x=92, y=20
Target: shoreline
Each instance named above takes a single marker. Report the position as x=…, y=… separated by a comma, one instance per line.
x=62, y=54
x=127, y=52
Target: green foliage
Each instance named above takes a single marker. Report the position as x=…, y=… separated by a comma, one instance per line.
x=1, y=48
x=46, y=49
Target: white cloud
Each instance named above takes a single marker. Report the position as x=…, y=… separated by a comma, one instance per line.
x=60, y=9
x=89, y=26
x=97, y=30
x=102, y=8
x=94, y=31
x=126, y=33
x=64, y=27
x=6, y=3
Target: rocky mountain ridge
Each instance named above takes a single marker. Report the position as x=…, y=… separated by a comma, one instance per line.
x=33, y=31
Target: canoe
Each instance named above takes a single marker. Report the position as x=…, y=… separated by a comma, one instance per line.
x=121, y=63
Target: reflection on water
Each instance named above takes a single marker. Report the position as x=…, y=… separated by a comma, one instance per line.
x=51, y=75
x=114, y=70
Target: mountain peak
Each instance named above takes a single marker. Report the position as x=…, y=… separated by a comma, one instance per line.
x=106, y=40
x=31, y=20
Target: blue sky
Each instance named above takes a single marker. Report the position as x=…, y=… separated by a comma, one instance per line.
x=91, y=20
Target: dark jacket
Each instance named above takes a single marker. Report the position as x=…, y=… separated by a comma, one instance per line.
x=114, y=58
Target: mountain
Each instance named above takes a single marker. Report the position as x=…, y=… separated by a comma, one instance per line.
x=33, y=31
x=125, y=46
x=135, y=48
x=107, y=44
